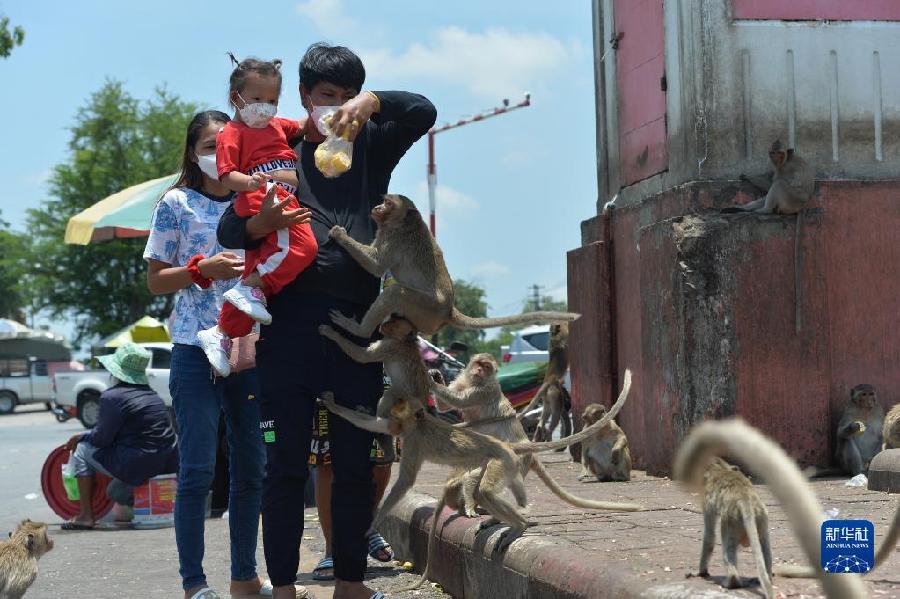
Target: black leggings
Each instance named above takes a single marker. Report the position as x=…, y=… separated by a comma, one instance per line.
x=295, y=364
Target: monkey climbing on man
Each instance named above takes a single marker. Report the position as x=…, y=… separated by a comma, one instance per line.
x=423, y=289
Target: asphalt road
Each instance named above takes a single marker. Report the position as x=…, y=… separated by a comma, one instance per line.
x=109, y=563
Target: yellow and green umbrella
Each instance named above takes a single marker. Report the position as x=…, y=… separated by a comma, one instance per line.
x=145, y=330
x=123, y=214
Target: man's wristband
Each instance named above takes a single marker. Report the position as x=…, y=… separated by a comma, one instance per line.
x=193, y=267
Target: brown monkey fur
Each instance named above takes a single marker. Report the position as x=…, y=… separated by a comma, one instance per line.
x=428, y=438
x=477, y=394
x=891, y=430
x=399, y=351
x=730, y=500
x=551, y=392
x=788, y=189
x=859, y=431
x=606, y=455
x=19, y=558
x=473, y=482
x=423, y=292
x=765, y=458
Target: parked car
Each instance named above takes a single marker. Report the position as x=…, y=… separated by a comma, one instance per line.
x=77, y=394
x=24, y=380
x=530, y=344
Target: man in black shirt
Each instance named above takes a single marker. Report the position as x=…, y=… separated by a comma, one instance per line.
x=295, y=363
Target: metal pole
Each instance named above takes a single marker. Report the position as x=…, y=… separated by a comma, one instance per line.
x=432, y=166
x=432, y=181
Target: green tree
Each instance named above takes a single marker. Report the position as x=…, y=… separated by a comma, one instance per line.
x=117, y=141
x=546, y=303
x=14, y=261
x=9, y=38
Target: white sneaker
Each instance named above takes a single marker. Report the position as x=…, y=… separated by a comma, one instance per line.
x=217, y=348
x=249, y=300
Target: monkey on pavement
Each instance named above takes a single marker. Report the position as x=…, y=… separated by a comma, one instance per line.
x=891, y=430
x=788, y=189
x=730, y=499
x=859, y=430
x=605, y=456
x=428, y=438
x=763, y=457
x=423, y=292
x=19, y=558
x=551, y=392
x=477, y=394
x=399, y=351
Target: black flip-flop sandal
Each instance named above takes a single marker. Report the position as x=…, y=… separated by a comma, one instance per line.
x=378, y=543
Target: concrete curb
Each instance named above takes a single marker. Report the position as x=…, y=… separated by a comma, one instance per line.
x=535, y=566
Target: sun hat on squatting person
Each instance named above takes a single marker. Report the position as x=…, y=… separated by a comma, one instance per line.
x=128, y=364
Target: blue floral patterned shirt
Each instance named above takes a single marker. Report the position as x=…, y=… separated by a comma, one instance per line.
x=184, y=225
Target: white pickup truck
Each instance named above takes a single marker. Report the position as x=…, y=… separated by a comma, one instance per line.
x=24, y=381
x=78, y=393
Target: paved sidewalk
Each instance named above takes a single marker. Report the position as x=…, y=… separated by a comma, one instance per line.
x=573, y=553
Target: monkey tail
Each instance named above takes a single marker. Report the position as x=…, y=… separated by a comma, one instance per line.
x=588, y=431
x=765, y=577
x=580, y=501
x=458, y=320
x=432, y=535
x=765, y=458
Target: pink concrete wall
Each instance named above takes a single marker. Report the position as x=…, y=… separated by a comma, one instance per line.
x=837, y=10
x=791, y=386
x=640, y=65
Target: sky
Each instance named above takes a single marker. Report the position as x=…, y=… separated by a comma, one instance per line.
x=512, y=190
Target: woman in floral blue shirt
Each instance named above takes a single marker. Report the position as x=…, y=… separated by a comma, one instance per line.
x=184, y=257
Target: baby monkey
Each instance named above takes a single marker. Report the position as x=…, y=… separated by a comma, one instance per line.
x=604, y=456
x=19, y=558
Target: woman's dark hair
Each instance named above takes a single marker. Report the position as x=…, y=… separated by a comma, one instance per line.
x=333, y=64
x=191, y=175
x=243, y=69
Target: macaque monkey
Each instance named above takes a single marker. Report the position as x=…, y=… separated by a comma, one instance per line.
x=730, y=500
x=765, y=458
x=859, y=431
x=788, y=189
x=477, y=394
x=19, y=558
x=891, y=430
x=552, y=392
x=605, y=456
x=423, y=292
x=399, y=351
x=425, y=437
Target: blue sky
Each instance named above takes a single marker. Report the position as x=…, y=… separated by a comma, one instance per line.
x=512, y=190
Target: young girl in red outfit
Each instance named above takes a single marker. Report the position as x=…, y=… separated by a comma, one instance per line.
x=252, y=156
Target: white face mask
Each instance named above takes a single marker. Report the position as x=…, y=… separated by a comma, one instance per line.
x=258, y=114
x=207, y=164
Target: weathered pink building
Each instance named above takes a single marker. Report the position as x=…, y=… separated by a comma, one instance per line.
x=700, y=305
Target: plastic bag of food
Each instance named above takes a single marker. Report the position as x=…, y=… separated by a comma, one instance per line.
x=69, y=481
x=334, y=156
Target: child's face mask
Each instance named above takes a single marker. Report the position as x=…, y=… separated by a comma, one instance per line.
x=256, y=115
x=207, y=164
